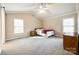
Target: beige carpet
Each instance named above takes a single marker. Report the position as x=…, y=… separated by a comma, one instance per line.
x=35, y=46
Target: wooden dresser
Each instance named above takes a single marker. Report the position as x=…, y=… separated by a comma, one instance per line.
x=78, y=45
x=70, y=43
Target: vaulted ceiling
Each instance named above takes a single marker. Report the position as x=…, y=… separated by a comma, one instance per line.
x=53, y=9
x=20, y=6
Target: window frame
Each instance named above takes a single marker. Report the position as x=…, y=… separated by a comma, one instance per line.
x=22, y=31
x=73, y=18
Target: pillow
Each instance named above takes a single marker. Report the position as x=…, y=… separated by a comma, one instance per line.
x=39, y=31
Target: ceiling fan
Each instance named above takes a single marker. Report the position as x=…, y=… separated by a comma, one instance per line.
x=42, y=8
x=43, y=5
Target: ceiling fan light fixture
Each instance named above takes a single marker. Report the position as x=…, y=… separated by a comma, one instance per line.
x=42, y=5
x=42, y=9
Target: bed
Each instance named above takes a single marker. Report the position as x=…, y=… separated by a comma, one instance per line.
x=45, y=32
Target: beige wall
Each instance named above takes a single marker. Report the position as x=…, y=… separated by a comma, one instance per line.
x=30, y=23
x=0, y=26
x=56, y=24
x=78, y=23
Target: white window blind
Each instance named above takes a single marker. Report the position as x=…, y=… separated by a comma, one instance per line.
x=68, y=25
x=18, y=26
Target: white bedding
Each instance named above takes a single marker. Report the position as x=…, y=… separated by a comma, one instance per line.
x=49, y=33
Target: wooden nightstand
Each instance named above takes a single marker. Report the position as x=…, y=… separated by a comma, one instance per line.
x=33, y=33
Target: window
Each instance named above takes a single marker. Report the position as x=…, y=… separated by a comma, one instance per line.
x=68, y=25
x=18, y=26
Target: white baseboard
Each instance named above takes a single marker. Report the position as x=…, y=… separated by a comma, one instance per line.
x=59, y=36
x=16, y=38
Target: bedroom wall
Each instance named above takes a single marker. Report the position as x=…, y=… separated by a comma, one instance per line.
x=0, y=26
x=77, y=9
x=56, y=24
x=30, y=23
x=78, y=23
